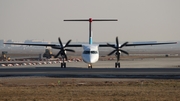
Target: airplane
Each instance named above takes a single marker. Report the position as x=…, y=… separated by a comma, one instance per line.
x=90, y=53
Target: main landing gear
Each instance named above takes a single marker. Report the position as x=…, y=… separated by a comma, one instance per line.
x=90, y=66
x=117, y=65
x=63, y=65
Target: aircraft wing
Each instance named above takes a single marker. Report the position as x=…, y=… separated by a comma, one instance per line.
x=143, y=44
x=55, y=46
x=138, y=44
x=31, y=44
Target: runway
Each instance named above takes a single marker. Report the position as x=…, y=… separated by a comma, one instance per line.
x=159, y=68
x=92, y=73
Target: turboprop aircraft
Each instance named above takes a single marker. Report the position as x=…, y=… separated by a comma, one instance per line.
x=90, y=53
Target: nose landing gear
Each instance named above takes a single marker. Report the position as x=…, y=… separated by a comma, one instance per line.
x=89, y=65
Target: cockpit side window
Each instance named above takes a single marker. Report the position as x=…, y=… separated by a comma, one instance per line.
x=93, y=52
x=86, y=52
x=90, y=52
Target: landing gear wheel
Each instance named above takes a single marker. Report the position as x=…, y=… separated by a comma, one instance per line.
x=89, y=66
x=63, y=65
x=117, y=65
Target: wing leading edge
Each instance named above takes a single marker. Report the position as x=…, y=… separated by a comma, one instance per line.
x=140, y=44
x=56, y=46
x=80, y=45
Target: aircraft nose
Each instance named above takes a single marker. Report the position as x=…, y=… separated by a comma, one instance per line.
x=90, y=59
x=87, y=59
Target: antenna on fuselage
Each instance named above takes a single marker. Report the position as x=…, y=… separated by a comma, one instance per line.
x=90, y=21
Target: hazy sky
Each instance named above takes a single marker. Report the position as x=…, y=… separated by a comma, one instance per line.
x=138, y=20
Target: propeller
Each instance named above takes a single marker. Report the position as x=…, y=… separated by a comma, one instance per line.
x=117, y=49
x=62, y=49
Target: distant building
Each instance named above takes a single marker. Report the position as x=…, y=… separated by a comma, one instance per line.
x=1, y=43
x=36, y=42
x=8, y=41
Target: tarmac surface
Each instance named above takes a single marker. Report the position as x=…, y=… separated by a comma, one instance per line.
x=165, y=68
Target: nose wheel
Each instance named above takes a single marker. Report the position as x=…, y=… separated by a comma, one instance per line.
x=89, y=65
x=117, y=65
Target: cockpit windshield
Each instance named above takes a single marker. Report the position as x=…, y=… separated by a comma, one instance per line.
x=90, y=52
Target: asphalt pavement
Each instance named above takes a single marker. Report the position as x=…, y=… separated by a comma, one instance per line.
x=147, y=68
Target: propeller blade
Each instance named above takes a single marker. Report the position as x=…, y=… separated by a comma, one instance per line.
x=60, y=42
x=111, y=52
x=62, y=49
x=111, y=45
x=117, y=43
x=118, y=49
x=124, y=44
x=124, y=52
x=70, y=50
x=67, y=43
x=57, y=54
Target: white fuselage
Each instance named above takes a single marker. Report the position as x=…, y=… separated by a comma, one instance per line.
x=90, y=53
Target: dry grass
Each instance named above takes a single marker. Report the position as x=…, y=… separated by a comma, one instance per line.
x=61, y=89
